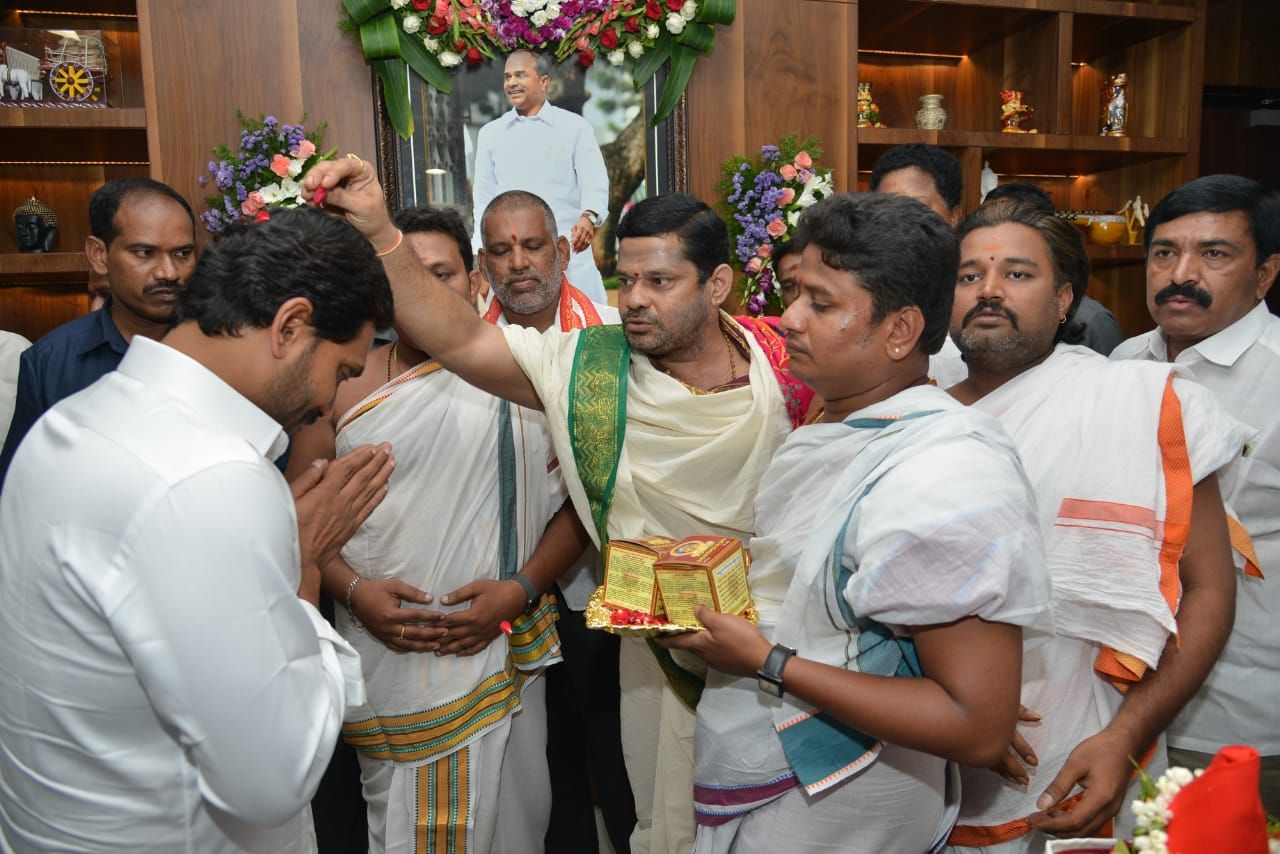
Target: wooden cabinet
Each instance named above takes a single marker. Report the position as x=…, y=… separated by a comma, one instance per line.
x=794, y=65
x=184, y=69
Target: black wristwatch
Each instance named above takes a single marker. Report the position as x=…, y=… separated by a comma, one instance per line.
x=593, y=218
x=531, y=594
x=769, y=677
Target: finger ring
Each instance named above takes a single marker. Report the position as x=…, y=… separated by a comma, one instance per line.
x=355, y=157
x=402, y=631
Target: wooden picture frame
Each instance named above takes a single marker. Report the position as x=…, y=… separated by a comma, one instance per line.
x=666, y=167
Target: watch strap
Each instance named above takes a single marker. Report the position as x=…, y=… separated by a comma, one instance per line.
x=771, y=670
x=531, y=592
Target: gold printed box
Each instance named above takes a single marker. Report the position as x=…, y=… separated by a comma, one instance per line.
x=709, y=571
x=629, y=583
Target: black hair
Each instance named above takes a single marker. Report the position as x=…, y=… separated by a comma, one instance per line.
x=901, y=251
x=703, y=235
x=782, y=249
x=251, y=270
x=1063, y=241
x=941, y=165
x=106, y=201
x=1027, y=194
x=446, y=221
x=514, y=200
x=1222, y=194
x=540, y=59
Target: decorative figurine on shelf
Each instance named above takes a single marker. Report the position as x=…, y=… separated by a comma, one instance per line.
x=35, y=226
x=1115, y=113
x=1135, y=212
x=868, y=112
x=931, y=116
x=987, y=181
x=1013, y=113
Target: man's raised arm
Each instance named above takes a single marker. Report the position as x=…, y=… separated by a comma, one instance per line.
x=430, y=315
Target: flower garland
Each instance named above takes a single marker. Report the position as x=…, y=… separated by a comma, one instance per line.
x=435, y=36
x=265, y=171
x=763, y=200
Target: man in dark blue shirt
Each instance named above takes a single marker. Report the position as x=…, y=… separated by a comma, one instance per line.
x=143, y=241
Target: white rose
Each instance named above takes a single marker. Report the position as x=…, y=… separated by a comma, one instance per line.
x=636, y=49
x=271, y=194
x=553, y=11
x=615, y=57
x=675, y=24
x=290, y=190
x=430, y=44
x=517, y=9
x=295, y=166
x=651, y=31
x=449, y=59
x=539, y=18
x=399, y=4
x=688, y=10
x=412, y=23
x=793, y=217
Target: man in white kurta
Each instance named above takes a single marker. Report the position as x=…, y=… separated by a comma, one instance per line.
x=937, y=524
x=1220, y=236
x=1114, y=453
x=165, y=687
x=551, y=153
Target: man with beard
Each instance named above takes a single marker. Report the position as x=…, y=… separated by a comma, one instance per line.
x=662, y=426
x=1213, y=251
x=522, y=261
x=467, y=724
x=550, y=152
x=143, y=241
x=169, y=683
x=1123, y=460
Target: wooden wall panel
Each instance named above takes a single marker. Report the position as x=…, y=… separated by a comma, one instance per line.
x=33, y=311
x=781, y=67
x=1240, y=47
x=280, y=57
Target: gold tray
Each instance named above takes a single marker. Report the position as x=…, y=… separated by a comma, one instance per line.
x=597, y=616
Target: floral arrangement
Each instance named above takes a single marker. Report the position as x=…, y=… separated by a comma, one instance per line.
x=763, y=199
x=265, y=171
x=435, y=36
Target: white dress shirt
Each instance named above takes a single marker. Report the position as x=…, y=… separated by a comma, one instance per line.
x=11, y=347
x=1240, y=701
x=165, y=689
x=553, y=155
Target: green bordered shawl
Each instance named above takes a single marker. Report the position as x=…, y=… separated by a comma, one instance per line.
x=597, y=427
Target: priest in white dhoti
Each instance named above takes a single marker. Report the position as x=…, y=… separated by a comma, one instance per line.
x=662, y=426
x=474, y=530
x=1123, y=458
x=550, y=152
x=895, y=562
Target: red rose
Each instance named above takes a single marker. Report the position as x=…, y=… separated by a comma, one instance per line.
x=473, y=56
x=459, y=46
x=423, y=5
x=262, y=216
x=436, y=26
x=675, y=5
x=586, y=57
x=609, y=39
x=632, y=24
x=653, y=10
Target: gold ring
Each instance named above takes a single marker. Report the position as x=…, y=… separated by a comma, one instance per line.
x=402, y=631
x=355, y=157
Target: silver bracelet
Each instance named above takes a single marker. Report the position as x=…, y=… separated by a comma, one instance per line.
x=351, y=588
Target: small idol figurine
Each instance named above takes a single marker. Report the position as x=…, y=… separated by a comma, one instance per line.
x=1013, y=113
x=868, y=112
x=35, y=226
x=1115, y=113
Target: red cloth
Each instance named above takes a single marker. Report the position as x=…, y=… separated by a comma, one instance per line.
x=795, y=394
x=1221, y=810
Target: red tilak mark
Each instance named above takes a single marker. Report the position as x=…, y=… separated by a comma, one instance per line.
x=317, y=198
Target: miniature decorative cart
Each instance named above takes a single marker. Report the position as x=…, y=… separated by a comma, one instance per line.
x=56, y=68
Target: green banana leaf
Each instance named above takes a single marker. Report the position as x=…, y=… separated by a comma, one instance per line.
x=683, y=58
x=649, y=63
x=396, y=93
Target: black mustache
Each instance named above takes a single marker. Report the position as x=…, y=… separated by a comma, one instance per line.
x=1186, y=290
x=162, y=286
x=992, y=306
x=639, y=314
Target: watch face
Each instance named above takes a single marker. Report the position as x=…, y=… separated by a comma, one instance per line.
x=771, y=688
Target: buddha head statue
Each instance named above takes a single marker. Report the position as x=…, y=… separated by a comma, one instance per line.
x=35, y=226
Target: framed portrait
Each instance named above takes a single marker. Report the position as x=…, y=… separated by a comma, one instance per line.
x=436, y=164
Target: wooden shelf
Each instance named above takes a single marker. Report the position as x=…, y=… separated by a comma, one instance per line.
x=44, y=117
x=1031, y=153
x=18, y=268
x=1114, y=255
